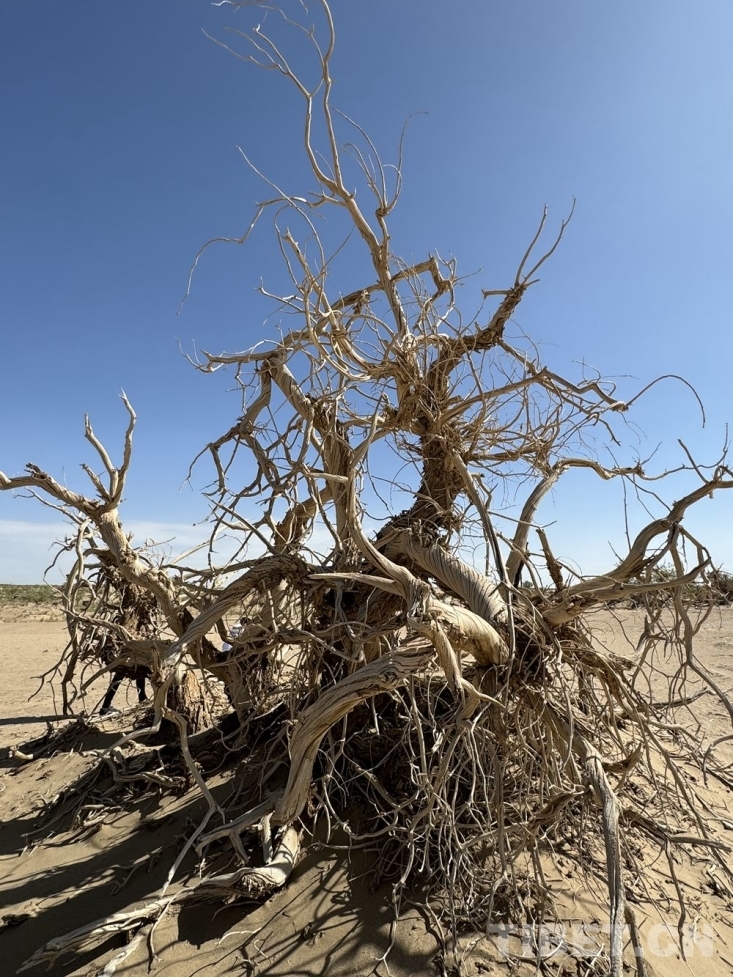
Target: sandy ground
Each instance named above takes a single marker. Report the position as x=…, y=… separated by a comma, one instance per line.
x=55, y=877
x=37, y=645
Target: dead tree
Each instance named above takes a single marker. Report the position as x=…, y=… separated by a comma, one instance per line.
x=118, y=601
x=466, y=715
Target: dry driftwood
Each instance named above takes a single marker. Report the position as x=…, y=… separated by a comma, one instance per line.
x=470, y=717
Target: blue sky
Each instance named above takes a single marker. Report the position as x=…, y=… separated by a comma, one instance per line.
x=120, y=126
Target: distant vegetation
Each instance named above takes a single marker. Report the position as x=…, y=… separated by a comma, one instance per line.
x=716, y=587
x=16, y=593
x=722, y=583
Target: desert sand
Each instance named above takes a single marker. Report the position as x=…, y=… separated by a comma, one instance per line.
x=61, y=871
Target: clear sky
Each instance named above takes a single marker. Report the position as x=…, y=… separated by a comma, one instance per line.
x=120, y=125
